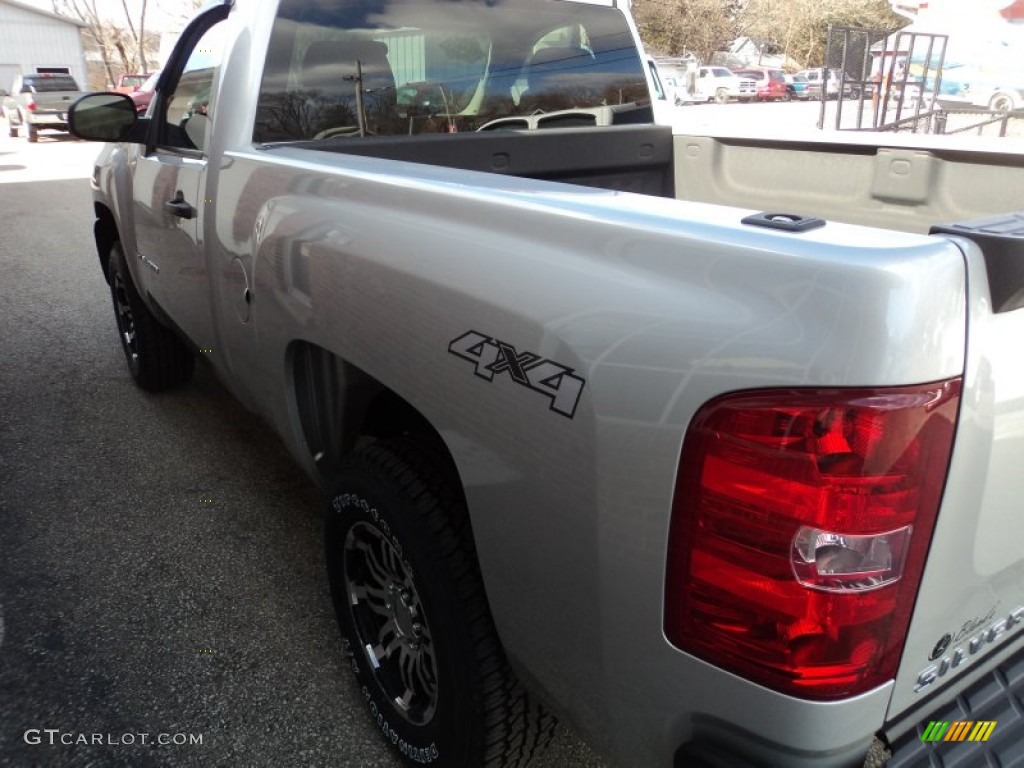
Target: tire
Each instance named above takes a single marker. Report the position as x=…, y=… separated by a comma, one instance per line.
x=157, y=359
x=721, y=96
x=414, y=618
x=1001, y=102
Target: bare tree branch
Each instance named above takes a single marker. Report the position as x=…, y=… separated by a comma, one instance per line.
x=799, y=28
x=676, y=27
x=796, y=28
x=143, y=67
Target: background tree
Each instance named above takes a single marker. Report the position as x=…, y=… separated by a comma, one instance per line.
x=121, y=48
x=127, y=41
x=140, y=35
x=677, y=27
x=799, y=28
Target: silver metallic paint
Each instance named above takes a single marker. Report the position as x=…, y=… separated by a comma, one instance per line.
x=976, y=563
x=660, y=305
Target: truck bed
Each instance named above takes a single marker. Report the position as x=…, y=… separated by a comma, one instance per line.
x=626, y=158
x=898, y=184
x=890, y=181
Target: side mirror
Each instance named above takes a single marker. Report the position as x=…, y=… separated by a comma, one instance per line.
x=106, y=117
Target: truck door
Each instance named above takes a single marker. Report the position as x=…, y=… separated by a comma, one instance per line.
x=170, y=178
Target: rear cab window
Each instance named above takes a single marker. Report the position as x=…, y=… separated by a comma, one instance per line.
x=48, y=83
x=411, y=67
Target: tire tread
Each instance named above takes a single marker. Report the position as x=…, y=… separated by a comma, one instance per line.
x=517, y=727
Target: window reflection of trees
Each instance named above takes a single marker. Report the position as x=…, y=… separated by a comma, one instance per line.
x=453, y=66
x=306, y=113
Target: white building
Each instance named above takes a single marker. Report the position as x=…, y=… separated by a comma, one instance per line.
x=34, y=40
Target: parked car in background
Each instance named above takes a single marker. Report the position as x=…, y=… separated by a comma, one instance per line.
x=800, y=88
x=770, y=83
x=666, y=93
x=721, y=84
x=999, y=89
x=823, y=80
x=830, y=80
x=675, y=90
x=39, y=100
x=130, y=83
x=669, y=85
x=144, y=94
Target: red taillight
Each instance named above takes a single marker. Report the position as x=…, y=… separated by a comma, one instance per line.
x=30, y=104
x=799, y=532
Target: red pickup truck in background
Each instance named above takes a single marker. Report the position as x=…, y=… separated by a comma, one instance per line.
x=130, y=83
x=144, y=93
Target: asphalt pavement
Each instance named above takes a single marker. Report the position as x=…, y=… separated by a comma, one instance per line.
x=162, y=590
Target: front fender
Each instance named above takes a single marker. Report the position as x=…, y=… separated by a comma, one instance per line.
x=112, y=191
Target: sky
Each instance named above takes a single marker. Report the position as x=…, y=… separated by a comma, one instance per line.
x=973, y=8
x=156, y=19
x=983, y=19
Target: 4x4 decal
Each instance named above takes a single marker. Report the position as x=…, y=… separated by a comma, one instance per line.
x=491, y=356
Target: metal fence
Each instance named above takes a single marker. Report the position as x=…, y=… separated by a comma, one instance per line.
x=960, y=121
x=891, y=80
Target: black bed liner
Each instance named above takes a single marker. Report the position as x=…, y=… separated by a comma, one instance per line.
x=628, y=158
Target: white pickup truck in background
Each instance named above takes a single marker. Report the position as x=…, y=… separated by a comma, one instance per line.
x=707, y=444
x=721, y=84
x=39, y=101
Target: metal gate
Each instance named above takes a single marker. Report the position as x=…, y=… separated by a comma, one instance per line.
x=888, y=81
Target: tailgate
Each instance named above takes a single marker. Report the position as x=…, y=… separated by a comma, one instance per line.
x=969, y=613
x=980, y=726
x=57, y=101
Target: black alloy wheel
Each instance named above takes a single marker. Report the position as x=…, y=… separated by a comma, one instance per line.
x=414, y=618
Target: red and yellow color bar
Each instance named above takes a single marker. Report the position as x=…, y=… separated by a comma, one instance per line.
x=958, y=730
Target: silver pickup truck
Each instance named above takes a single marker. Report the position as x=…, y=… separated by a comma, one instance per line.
x=709, y=445
x=39, y=101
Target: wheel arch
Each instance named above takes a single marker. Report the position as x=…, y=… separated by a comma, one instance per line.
x=105, y=233
x=337, y=403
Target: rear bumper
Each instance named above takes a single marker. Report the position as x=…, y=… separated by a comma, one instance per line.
x=997, y=697
x=47, y=119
